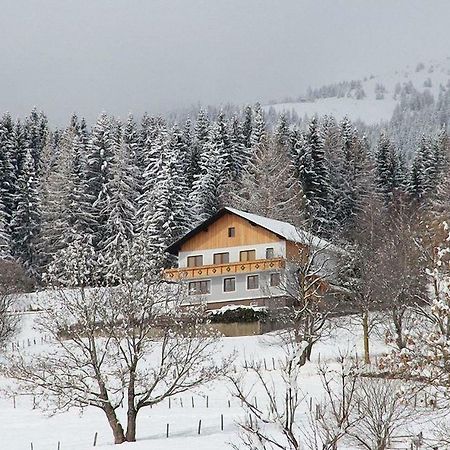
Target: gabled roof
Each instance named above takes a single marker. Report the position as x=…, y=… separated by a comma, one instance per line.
x=283, y=230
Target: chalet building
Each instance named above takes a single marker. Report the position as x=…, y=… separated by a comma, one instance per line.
x=238, y=258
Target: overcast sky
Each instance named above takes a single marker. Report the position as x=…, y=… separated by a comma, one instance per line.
x=154, y=55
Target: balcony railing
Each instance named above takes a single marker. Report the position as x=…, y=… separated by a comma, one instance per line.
x=233, y=268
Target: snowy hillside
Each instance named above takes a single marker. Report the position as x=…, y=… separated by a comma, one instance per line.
x=373, y=99
x=76, y=431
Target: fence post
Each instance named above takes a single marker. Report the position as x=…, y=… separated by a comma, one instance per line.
x=199, y=426
x=31, y=446
x=207, y=401
x=95, y=438
x=221, y=422
x=59, y=445
x=192, y=401
x=167, y=430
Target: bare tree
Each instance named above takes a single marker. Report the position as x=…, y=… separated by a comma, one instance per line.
x=402, y=281
x=268, y=186
x=8, y=321
x=310, y=289
x=358, y=268
x=337, y=414
x=273, y=422
x=128, y=343
x=425, y=358
x=383, y=411
x=12, y=281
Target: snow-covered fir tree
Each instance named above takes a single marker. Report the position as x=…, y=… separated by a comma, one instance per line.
x=313, y=172
x=423, y=174
x=26, y=219
x=389, y=170
x=123, y=191
x=98, y=175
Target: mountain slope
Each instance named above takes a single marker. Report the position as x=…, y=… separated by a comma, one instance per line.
x=373, y=99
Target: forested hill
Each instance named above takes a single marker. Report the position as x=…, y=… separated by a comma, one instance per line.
x=116, y=184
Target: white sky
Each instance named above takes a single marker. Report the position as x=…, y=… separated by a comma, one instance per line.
x=136, y=55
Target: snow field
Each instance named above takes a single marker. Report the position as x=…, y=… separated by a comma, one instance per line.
x=23, y=425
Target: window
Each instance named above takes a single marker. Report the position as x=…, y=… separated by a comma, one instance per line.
x=231, y=232
x=199, y=287
x=195, y=261
x=269, y=253
x=253, y=282
x=221, y=258
x=247, y=255
x=275, y=279
x=229, y=284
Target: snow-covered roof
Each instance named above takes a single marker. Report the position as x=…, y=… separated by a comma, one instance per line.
x=284, y=230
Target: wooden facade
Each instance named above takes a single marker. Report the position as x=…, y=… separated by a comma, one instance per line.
x=216, y=235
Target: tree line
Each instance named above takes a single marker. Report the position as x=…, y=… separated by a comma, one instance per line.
x=124, y=183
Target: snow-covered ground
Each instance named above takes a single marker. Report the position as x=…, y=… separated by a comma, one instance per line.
x=369, y=109
x=23, y=425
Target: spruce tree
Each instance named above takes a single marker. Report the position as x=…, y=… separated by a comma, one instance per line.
x=8, y=180
x=353, y=176
x=282, y=132
x=26, y=219
x=313, y=174
x=423, y=176
x=120, y=210
x=258, y=133
x=240, y=153
x=247, y=126
x=389, y=170
x=200, y=139
x=208, y=186
x=99, y=158
x=36, y=133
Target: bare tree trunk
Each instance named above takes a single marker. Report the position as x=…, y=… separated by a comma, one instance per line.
x=397, y=318
x=116, y=427
x=132, y=411
x=131, y=424
x=308, y=351
x=365, y=324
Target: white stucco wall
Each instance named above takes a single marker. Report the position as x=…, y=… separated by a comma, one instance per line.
x=217, y=293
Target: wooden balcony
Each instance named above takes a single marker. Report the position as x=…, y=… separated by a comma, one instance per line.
x=233, y=268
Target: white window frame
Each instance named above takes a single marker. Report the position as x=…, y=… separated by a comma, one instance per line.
x=199, y=281
x=223, y=284
x=246, y=282
x=249, y=250
x=194, y=256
